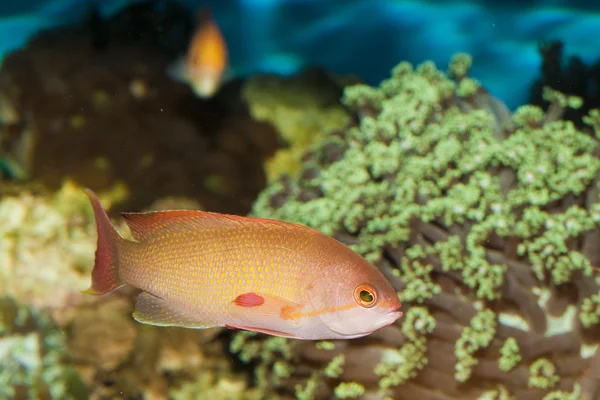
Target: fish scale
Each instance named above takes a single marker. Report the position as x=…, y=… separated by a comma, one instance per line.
x=198, y=269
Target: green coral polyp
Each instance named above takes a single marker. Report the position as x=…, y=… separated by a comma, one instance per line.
x=499, y=393
x=411, y=359
x=576, y=394
x=468, y=87
x=510, y=355
x=418, y=323
x=460, y=64
x=419, y=286
x=307, y=392
x=325, y=345
x=561, y=99
x=473, y=338
x=548, y=250
x=349, y=390
x=590, y=311
x=336, y=366
x=542, y=374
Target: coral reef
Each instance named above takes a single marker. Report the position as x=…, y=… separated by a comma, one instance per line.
x=301, y=108
x=486, y=223
x=95, y=104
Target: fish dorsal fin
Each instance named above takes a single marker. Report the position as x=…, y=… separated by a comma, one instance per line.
x=144, y=225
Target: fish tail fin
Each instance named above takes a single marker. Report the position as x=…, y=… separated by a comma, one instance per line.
x=105, y=275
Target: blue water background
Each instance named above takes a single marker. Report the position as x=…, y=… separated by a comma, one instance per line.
x=365, y=37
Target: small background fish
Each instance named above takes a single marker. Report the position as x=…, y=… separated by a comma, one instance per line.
x=205, y=64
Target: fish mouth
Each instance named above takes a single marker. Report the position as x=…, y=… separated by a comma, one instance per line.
x=391, y=317
x=386, y=320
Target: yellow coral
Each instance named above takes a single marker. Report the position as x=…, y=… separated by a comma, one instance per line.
x=300, y=108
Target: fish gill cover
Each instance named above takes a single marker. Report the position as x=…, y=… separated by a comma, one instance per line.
x=486, y=223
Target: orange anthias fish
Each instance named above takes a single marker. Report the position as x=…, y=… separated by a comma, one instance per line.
x=205, y=63
x=200, y=270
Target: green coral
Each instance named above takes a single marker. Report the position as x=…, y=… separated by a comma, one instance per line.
x=434, y=155
x=35, y=361
x=546, y=237
x=454, y=201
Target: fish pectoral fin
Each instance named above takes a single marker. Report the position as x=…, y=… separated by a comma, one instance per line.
x=259, y=312
x=153, y=310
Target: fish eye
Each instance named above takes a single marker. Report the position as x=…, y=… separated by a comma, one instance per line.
x=365, y=295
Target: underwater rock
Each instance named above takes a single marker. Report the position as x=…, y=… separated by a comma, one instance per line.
x=301, y=108
x=108, y=113
x=117, y=356
x=47, y=245
x=35, y=361
x=488, y=225
x=103, y=334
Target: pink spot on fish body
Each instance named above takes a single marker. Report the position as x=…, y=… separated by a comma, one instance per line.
x=249, y=300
